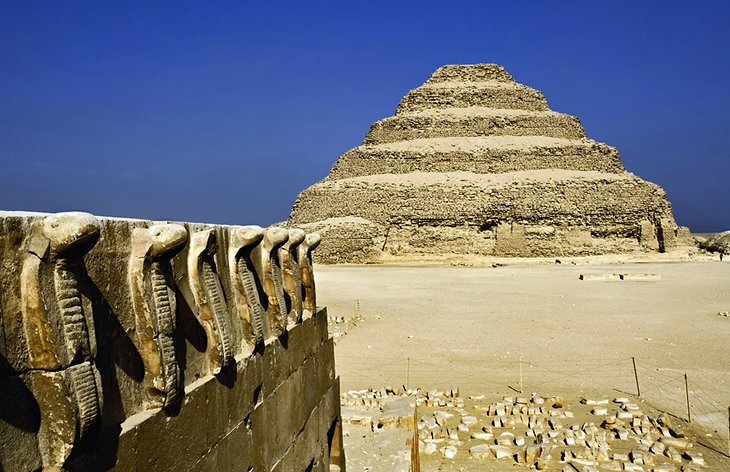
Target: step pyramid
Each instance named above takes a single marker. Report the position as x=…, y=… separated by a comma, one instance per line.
x=473, y=162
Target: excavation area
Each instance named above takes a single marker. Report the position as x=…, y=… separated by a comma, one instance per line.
x=589, y=363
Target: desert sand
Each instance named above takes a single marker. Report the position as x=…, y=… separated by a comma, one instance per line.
x=536, y=325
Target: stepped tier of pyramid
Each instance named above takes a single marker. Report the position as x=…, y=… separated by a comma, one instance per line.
x=474, y=163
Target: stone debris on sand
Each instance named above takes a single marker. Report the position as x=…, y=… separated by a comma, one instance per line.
x=534, y=431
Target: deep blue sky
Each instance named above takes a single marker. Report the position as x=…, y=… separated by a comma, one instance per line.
x=223, y=111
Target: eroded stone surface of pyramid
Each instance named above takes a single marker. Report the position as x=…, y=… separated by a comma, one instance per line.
x=473, y=162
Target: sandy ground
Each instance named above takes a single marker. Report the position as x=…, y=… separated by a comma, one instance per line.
x=539, y=328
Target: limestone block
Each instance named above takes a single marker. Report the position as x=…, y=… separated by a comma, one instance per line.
x=648, y=235
x=482, y=435
x=599, y=277
x=684, y=236
x=500, y=451
x=640, y=277
x=480, y=451
x=505, y=439
x=448, y=452
x=151, y=449
x=579, y=237
x=677, y=443
x=532, y=452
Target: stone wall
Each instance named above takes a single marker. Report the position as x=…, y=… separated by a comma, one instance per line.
x=133, y=345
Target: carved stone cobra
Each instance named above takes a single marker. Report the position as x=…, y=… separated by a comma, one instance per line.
x=304, y=257
x=292, y=277
x=241, y=254
x=273, y=283
x=153, y=298
x=59, y=334
x=209, y=298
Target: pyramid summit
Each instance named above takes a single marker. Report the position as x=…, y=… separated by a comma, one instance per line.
x=473, y=162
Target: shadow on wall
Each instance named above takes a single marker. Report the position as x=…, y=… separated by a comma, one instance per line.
x=18, y=407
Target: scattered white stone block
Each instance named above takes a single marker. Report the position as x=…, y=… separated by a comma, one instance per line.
x=442, y=416
x=636, y=456
x=430, y=448
x=673, y=454
x=585, y=462
x=679, y=443
x=532, y=452
x=694, y=457
x=448, y=452
x=505, y=439
x=482, y=435
x=469, y=420
x=640, y=277
x=480, y=451
x=501, y=452
x=546, y=453
x=599, y=277
x=599, y=411
x=611, y=466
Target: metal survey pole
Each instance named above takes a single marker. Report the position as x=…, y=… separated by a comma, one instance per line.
x=408, y=373
x=415, y=452
x=521, y=389
x=636, y=377
x=686, y=393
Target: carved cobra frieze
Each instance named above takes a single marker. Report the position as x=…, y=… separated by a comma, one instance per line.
x=304, y=256
x=292, y=279
x=242, y=245
x=272, y=277
x=153, y=298
x=59, y=332
x=210, y=299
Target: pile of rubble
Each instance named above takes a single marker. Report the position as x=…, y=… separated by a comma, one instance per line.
x=339, y=326
x=542, y=432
